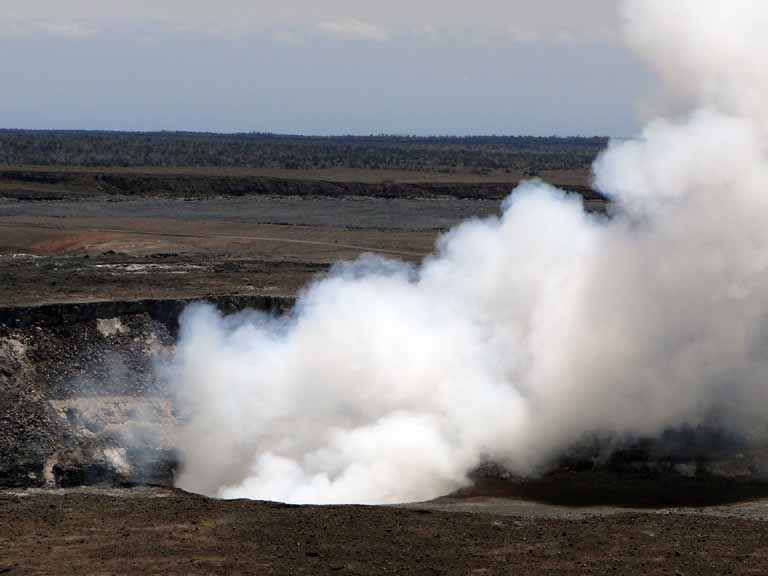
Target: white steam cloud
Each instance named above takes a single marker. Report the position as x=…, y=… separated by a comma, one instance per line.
x=524, y=333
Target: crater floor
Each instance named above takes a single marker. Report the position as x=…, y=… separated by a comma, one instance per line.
x=160, y=531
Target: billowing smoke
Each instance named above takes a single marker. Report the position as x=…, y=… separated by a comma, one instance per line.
x=525, y=333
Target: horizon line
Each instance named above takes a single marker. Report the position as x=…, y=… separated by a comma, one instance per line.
x=309, y=135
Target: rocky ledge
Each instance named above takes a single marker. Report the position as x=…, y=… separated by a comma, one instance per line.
x=80, y=400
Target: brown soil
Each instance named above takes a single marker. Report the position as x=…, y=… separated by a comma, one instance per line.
x=167, y=532
x=81, y=260
x=102, y=233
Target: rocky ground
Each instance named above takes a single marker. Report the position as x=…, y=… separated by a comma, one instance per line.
x=168, y=532
x=96, y=269
x=82, y=400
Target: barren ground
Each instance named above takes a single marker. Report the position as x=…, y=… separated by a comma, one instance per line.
x=101, y=249
x=153, y=531
x=75, y=245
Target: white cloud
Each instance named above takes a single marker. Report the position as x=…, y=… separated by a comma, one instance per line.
x=67, y=29
x=427, y=31
x=353, y=29
x=287, y=37
x=522, y=21
x=56, y=28
x=522, y=35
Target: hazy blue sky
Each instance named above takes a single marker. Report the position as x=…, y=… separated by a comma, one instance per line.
x=312, y=66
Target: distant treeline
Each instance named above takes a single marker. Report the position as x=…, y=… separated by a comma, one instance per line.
x=480, y=154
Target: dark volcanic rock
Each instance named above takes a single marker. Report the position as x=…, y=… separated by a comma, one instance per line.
x=80, y=401
x=166, y=312
x=199, y=186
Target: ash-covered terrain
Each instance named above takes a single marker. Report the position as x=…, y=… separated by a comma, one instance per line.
x=94, y=286
x=92, y=293
x=571, y=384
x=88, y=464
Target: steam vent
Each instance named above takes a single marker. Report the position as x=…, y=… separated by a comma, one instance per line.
x=86, y=403
x=421, y=288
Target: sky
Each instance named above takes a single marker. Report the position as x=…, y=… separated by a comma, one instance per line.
x=320, y=67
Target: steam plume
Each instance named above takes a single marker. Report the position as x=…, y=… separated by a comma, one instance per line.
x=523, y=333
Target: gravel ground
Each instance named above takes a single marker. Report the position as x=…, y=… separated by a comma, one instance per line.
x=352, y=212
x=97, y=249
x=169, y=532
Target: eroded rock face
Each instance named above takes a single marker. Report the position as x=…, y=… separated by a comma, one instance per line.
x=120, y=440
x=80, y=400
x=24, y=421
x=80, y=403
